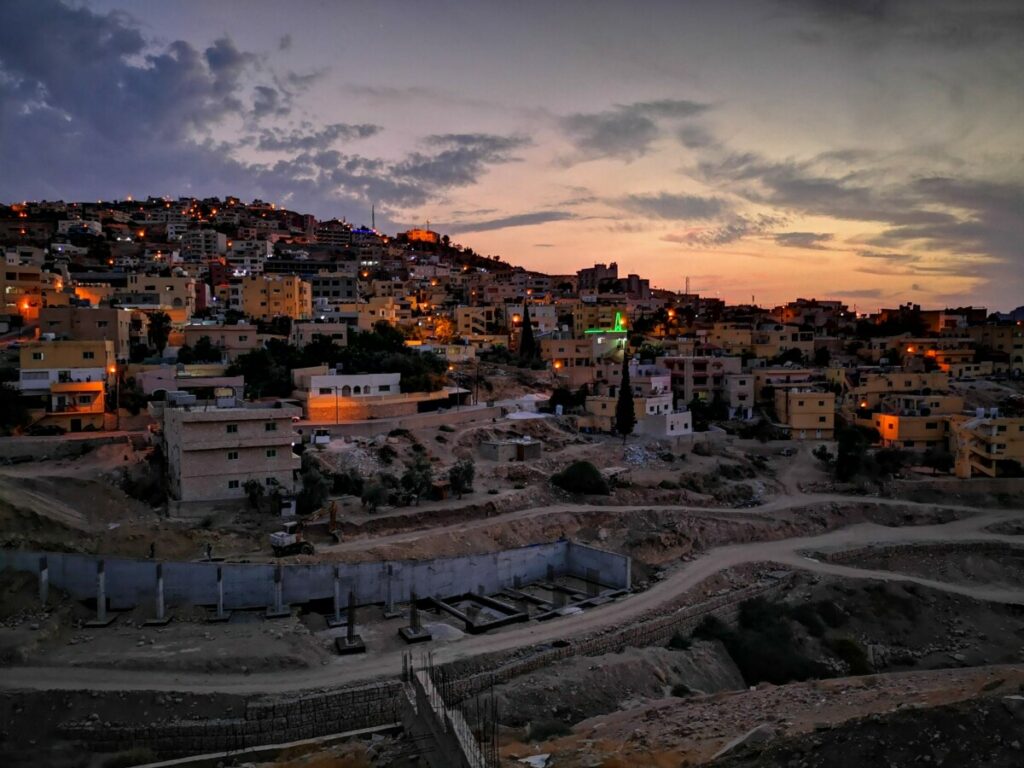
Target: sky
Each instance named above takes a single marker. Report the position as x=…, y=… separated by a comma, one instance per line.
x=867, y=150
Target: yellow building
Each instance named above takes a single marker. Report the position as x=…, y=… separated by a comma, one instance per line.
x=914, y=421
x=991, y=446
x=865, y=389
x=90, y=324
x=265, y=297
x=1008, y=339
x=73, y=406
x=24, y=290
x=806, y=413
x=174, y=295
x=586, y=316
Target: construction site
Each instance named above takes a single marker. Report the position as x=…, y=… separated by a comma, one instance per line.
x=724, y=602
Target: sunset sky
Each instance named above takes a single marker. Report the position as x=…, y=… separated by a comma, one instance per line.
x=869, y=150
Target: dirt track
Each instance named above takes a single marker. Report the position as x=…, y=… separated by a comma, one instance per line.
x=787, y=552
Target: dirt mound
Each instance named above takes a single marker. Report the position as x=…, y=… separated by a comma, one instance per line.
x=984, y=733
x=587, y=686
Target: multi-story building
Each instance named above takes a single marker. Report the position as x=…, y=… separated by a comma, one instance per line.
x=232, y=340
x=334, y=232
x=333, y=288
x=264, y=297
x=213, y=451
x=987, y=444
x=333, y=397
x=200, y=244
x=806, y=413
x=175, y=295
x=914, y=421
x=995, y=340
x=44, y=363
x=700, y=377
x=739, y=393
x=247, y=257
x=302, y=333
x=90, y=324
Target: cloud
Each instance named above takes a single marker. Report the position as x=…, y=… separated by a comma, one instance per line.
x=735, y=229
x=861, y=293
x=284, y=43
x=807, y=240
x=91, y=108
x=666, y=205
x=273, y=139
x=627, y=130
x=695, y=137
x=517, y=220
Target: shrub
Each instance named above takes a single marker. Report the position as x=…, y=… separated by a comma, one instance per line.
x=581, y=477
x=851, y=652
x=446, y=428
x=808, y=616
x=702, y=449
x=542, y=730
x=386, y=454
x=679, y=642
x=830, y=613
x=679, y=690
x=669, y=485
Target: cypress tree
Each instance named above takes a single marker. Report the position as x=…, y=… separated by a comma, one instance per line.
x=527, y=344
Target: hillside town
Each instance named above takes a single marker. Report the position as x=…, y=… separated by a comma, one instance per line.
x=251, y=460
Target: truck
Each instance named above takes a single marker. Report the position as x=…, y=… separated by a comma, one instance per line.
x=289, y=541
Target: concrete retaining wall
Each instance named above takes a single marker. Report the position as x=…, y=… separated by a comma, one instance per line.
x=251, y=585
x=374, y=427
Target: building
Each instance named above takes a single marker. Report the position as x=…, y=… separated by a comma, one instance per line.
x=264, y=297
x=202, y=244
x=987, y=444
x=701, y=377
x=213, y=452
x=89, y=324
x=914, y=421
x=73, y=406
x=304, y=332
x=45, y=363
x=590, y=279
x=327, y=396
x=739, y=393
x=174, y=295
x=807, y=414
x=332, y=288
x=232, y=340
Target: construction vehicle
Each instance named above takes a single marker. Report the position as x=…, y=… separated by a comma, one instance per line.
x=289, y=541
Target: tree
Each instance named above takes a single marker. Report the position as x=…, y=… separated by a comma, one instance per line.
x=853, y=446
x=315, y=486
x=822, y=357
x=625, y=415
x=461, y=477
x=581, y=477
x=527, y=344
x=12, y=410
x=417, y=477
x=890, y=461
x=938, y=459
x=824, y=455
x=374, y=494
x=255, y=491
x=159, y=331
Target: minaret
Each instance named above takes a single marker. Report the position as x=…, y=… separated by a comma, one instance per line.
x=373, y=217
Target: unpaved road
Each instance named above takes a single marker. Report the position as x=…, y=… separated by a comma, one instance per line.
x=348, y=670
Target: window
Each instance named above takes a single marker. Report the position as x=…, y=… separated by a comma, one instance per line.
x=821, y=419
x=271, y=453
x=384, y=388
x=821, y=402
x=800, y=402
x=243, y=337
x=271, y=481
x=232, y=429
x=270, y=426
x=931, y=425
x=232, y=484
x=232, y=455
x=84, y=399
x=37, y=356
x=88, y=355
x=102, y=323
x=325, y=390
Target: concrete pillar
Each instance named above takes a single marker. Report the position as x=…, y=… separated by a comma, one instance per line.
x=278, y=609
x=44, y=580
x=220, y=592
x=389, y=595
x=551, y=572
x=160, y=591
x=517, y=582
x=414, y=615
x=350, y=633
x=101, y=591
x=593, y=582
x=335, y=620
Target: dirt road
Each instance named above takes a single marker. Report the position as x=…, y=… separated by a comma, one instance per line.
x=349, y=670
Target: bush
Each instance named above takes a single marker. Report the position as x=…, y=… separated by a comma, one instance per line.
x=831, y=613
x=679, y=642
x=679, y=690
x=851, y=652
x=446, y=428
x=542, y=730
x=669, y=485
x=386, y=454
x=581, y=477
x=808, y=616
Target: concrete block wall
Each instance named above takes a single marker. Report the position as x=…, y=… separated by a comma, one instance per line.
x=613, y=569
x=250, y=585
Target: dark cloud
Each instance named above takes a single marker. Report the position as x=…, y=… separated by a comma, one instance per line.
x=307, y=138
x=458, y=158
x=946, y=23
x=807, y=240
x=676, y=207
x=517, y=220
x=627, y=130
x=284, y=43
x=695, y=137
x=736, y=229
x=89, y=108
